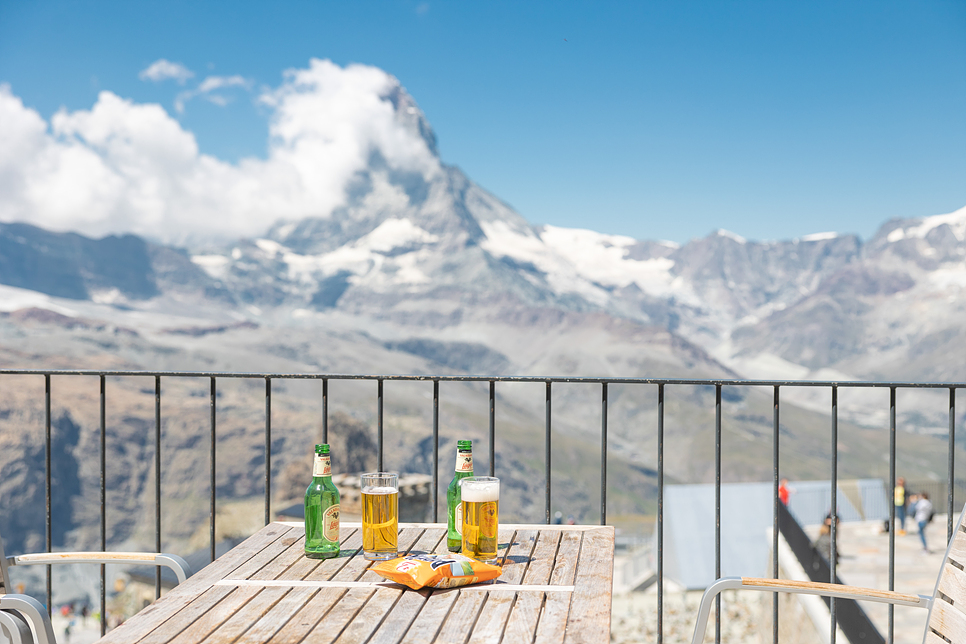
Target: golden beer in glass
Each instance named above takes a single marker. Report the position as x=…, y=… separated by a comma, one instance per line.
x=481, y=516
x=380, y=516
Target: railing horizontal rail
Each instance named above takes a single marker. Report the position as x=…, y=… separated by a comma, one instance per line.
x=902, y=384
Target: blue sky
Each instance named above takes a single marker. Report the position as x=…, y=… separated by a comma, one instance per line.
x=659, y=120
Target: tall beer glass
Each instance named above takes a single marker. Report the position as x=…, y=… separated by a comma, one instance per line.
x=481, y=516
x=380, y=515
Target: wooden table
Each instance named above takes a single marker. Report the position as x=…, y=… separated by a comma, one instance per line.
x=555, y=587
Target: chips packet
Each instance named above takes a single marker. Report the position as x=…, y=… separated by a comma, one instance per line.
x=436, y=571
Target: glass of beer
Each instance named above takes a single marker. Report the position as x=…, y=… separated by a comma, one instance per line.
x=380, y=515
x=481, y=516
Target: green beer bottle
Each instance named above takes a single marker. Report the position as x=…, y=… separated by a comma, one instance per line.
x=322, y=509
x=454, y=501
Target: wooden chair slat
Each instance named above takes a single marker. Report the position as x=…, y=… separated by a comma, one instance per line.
x=948, y=620
x=952, y=583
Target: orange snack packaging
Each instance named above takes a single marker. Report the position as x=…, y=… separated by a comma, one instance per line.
x=436, y=571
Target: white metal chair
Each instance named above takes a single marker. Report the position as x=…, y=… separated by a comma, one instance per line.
x=946, y=606
x=24, y=620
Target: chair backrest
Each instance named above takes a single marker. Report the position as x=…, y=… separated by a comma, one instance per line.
x=947, y=616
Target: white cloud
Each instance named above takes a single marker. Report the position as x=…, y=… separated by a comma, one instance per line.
x=209, y=85
x=122, y=166
x=162, y=69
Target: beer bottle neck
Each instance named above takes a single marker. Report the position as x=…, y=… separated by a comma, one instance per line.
x=322, y=467
x=464, y=462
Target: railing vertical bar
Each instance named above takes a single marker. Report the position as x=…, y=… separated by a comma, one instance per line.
x=268, y=451
x=47, y=520
x=951, y=468
x=435, y=451
x=379, y=402
x=603, y=453
x=660, y=513
x=157, y=482
x=717, y=509
x=835, y=506
x=325, y=410
x=546, y=443
x=103, y=504
x=211, y=468
x=492, y=428
x=776, y=417
x=890, y=636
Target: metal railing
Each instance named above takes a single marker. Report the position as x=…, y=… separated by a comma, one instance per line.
x=661, y=385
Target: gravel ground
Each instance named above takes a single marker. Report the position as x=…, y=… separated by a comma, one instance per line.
x=634, y=617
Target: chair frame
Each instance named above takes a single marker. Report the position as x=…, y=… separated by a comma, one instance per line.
x=938, y=611
x=26, y=620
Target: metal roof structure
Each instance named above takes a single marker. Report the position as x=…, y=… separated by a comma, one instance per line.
x=746, y=519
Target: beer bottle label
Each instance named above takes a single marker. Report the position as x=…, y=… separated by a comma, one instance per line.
x=458, y=519
x=464, y=461
x=322, y=466
x=330, y=523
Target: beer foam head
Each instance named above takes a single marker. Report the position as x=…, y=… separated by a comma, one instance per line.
x=476, y=492
x=369, y=489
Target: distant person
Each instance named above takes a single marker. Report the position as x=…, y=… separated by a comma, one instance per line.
x=558, y=518
x=85, y=612
x=824, y=541
x=923, y=515
x=571, y=520
x=783, y=492
x=900, y=501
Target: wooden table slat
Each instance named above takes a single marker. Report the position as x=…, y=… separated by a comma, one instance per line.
x=404, y=611
x=157, y=613
x=429, y=620
x=314, y=610
x=395, y=625
x=593, y=585
x=322, y=569
x=209, y=621
x=236, y=625
x=552, y=624
x=498, y=605
x=363, y=626
x=269, y=625
x=327, y=630
x=522, y=623
x=187, y=615
x=461, y=618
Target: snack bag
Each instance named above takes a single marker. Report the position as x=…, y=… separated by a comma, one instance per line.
x=436, y=571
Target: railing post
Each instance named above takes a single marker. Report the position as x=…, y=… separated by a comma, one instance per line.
x=660, y=513
x=952, y=465
x=325, y=410
x=833, y=555
x=436, y=451
x=379, y=424
x=103, y=504
x=717, y=509
x=211, y=500
x=603, y=453
x=890, y=635
x=776, y=416
x=547, y=455
x=157, y=482
x=492, y=428
x=268, y=451
x=47, y=520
